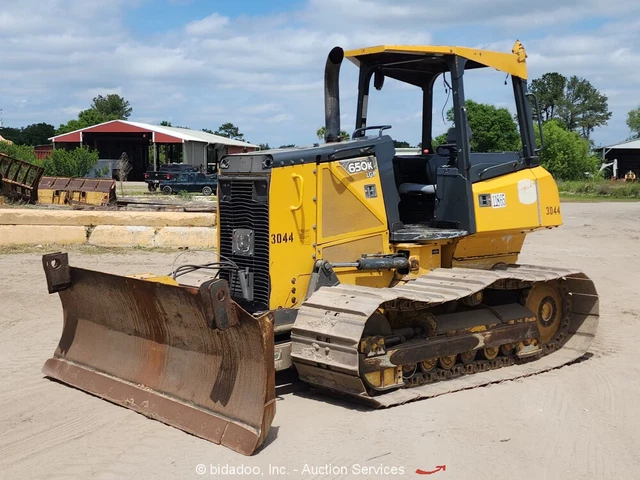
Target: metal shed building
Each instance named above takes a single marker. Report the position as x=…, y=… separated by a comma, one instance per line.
x=627, y=154
x=140, y=141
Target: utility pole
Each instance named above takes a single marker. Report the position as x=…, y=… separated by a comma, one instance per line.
x=1, y=124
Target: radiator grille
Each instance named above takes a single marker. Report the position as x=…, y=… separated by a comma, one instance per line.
x=244, y=204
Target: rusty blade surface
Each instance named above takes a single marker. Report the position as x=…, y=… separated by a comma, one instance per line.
x=149, y=347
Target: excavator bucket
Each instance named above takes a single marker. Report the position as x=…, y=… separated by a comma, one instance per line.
x=187, y=356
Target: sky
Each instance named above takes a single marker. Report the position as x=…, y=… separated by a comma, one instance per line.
x=259, y=63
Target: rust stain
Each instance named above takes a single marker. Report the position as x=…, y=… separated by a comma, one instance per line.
x=125, y=332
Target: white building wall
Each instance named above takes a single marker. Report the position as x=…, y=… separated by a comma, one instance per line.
x=195, y=153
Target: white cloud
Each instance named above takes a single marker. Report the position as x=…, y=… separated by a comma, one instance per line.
x=72, y=111
x=262, y=108
x=211, y=24
x=264, y=73
x=279, y=118
x=94, y=92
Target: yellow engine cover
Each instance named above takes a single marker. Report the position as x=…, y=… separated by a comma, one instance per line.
x=520, y=201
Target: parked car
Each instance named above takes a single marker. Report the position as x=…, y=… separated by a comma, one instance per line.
x=190, y=182
x=168, y=171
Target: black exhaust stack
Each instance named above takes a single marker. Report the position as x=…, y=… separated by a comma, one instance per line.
x=332, y=95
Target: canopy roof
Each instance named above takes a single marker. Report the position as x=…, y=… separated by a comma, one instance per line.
x=411, y=63
x=628, y=145
x=159, y=133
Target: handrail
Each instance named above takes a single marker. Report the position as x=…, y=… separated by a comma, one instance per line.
x=295, y=176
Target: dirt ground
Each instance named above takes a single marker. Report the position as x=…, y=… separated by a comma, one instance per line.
x=579, y=421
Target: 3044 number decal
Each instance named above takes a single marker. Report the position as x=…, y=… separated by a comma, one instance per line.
x=553, y=210
x=282, y=237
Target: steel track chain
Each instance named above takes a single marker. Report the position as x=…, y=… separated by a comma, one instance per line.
x=419, y=378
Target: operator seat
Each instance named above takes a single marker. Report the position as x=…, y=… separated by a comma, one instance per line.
x=446, y=154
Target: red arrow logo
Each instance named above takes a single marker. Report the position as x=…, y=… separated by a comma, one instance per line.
x=438, y=468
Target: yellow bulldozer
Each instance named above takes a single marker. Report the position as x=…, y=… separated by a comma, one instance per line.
x=380, y=277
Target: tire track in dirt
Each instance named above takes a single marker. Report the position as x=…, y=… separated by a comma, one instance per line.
x=38, y=441
x=608, y=340
x=607, y=395
x=130, y=444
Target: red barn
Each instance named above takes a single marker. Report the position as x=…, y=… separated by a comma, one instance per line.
x=147, y=145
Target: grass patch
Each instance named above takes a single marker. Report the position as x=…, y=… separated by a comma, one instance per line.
x=581, y=190
x=570, y=198
x=185, y=195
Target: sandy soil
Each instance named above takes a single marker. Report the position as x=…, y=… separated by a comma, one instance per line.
x=580, y=421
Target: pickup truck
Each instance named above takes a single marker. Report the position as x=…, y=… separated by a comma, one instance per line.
x=166, y=172
x=190, y=182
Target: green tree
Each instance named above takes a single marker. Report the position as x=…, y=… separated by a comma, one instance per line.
x=264, y=146
x=289, y=145
x=574, y=101
x=493, y=129
x=12, y=134
x=401, y=144
x=112, y=106
x=165, y=123
x=229, y=130
x=566, y=155
x=70, y=163
x=438, y=140
x=633, y=122
x=584, y=107
x=550, y=92
x=208, y=130
x=103, y=109
x=344, y=135
x=37, y=134
x=86, y=118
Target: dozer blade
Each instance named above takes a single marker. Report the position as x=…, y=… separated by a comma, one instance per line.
x=187, y=356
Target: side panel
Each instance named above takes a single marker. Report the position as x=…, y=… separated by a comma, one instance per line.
x=292, y=233
x=348, y=250
x=352, y=219
x=548, y=197
x=484, y=250
x=351, y=204
x=517, y=201
x=506, y=209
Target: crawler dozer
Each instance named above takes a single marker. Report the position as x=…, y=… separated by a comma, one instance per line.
x=380, y=277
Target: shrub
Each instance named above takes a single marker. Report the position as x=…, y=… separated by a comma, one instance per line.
x=61, y=163
x=21, y=152
x=70, y=163
x=566, y=155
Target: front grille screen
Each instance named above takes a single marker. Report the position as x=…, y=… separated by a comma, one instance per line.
x=244, y=204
